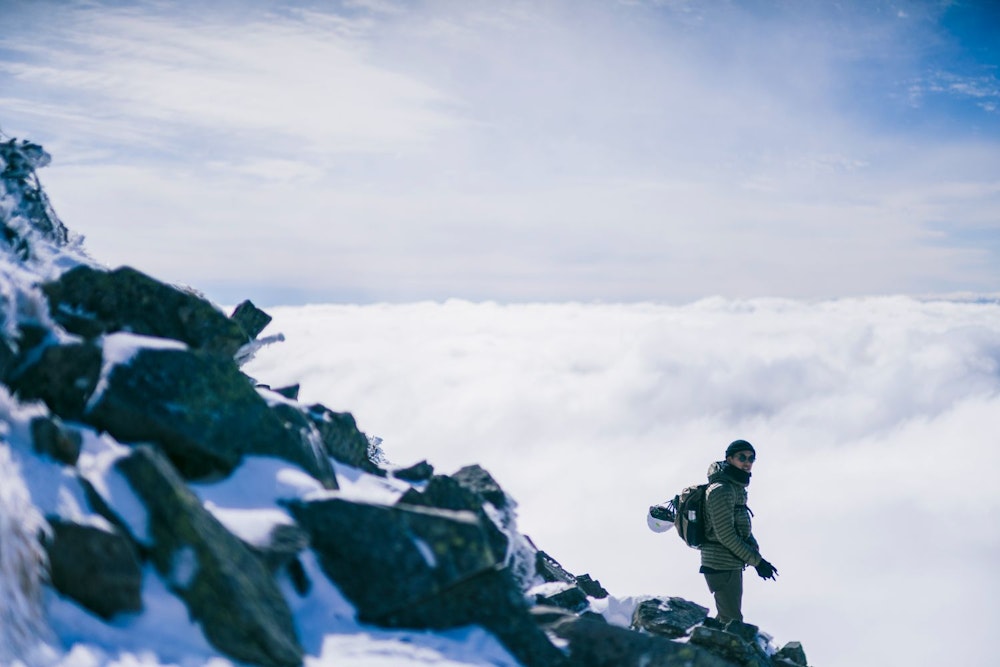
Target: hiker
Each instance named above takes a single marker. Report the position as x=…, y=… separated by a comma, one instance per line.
x=729, y=543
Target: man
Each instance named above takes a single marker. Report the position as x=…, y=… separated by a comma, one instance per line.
x=729, y=543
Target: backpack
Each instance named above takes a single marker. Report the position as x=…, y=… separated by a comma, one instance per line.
x=687, y=512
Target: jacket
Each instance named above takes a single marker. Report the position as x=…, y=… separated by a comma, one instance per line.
x=729, y=541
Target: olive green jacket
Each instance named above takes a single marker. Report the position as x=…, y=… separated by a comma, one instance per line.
x=729, y=542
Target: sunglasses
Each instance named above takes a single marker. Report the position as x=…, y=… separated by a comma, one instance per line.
x=744, y=458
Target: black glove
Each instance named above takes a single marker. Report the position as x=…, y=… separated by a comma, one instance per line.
x=766, y=570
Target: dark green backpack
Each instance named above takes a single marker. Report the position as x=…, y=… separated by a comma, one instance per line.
x=689, y=515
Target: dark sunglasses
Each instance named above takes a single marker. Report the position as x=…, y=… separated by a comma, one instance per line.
x=744, y=458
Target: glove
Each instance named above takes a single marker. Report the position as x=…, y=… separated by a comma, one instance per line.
x=766, y=570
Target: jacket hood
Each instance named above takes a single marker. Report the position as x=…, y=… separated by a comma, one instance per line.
x=721, y=471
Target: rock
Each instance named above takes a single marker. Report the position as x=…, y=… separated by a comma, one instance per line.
x=90, y=302
x=671, y=618
x=63, y=376
x=252, y=319
x=444, y=492
x=280, y=554
x=591, y=587
x=54, y=439
x=476, y=479
x=730, y=646
x=571, y=598
x=202, y=412
x=550, y=570
x=418, y=472
x=225, y=586
x=97, y=567
x=290, y=392
x=593, y=643
x=342, y=439
x=792, y=653
x=421, y=567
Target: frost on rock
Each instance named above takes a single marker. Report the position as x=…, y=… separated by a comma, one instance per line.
x=23, y=623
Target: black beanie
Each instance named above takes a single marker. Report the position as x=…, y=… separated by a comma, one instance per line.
x=739, y=446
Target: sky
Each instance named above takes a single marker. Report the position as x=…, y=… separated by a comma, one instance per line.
x=591, y=151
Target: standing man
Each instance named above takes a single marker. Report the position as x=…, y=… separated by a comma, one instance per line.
x=729, y=543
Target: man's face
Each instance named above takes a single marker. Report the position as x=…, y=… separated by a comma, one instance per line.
x=742, y=460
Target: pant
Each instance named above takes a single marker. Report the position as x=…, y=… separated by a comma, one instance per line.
x=727, y=587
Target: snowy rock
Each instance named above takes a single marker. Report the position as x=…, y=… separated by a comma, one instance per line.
x=420, y=567
x=63, y=376
x=595, y=643
x=341, y=438
x=97, y=567
x=52, y=438
x=90, y=302
x=226, y=587
x=201, y=411
x=671, y=618
x=445, y=492
x=731, y=646
x=418, y=472
x=791, y=655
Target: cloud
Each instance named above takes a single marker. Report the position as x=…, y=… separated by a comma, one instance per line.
x=872, y=419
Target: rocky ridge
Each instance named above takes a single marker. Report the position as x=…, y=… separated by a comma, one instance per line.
x=148, y=375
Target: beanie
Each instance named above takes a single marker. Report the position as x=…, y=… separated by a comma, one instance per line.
x=739, y=446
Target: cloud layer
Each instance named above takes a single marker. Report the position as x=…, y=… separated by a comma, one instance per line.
x=873, y=419
x=517, y=151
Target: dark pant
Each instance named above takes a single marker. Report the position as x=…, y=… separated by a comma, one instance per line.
x=727, y=587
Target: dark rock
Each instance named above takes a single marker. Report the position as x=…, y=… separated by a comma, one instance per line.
x=793, y=653
x=444, y=492
x=730, y=646
x=63, y=376
x=477, y=480
x=290, y=392
x=225, y=586
x=550, y=570
x=342, y=439
x=571, y=598
x=593, y=643
x=745, y=631
x=98, y=568
x=202, y=412
x=251, y=318
x=90, y=302
x=54, y=439
x=671, y=618
x=281, y=551
x=418, y=472
x=421, y=567
x=591, y=587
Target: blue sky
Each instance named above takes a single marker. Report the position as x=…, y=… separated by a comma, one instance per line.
x=520, y=151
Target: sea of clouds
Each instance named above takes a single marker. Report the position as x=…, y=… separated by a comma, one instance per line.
x=875, y=422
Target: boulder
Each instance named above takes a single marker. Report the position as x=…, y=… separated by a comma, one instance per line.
x=571, y=598
x=730, y=646
x=98, y=567
x=63, y=376
x=418, y=472
x=592, y=587
x=202, y=412
x=672, y=618
x=280, y=554
x=444, y=492
x=478, y=480
x=252, y=319
x=90, y=302
x=341, y=438
x=595, y=643
x=226, y=587
x=421, y=567
x=50, y=437
x=791, y=653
